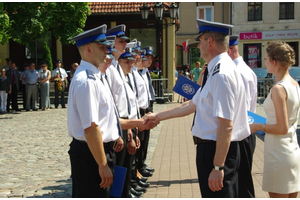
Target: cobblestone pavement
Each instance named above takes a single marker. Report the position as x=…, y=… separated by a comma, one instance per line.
x=34, y=160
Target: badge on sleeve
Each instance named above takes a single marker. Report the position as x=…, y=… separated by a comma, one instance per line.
x=216, y=69
x=90, y=74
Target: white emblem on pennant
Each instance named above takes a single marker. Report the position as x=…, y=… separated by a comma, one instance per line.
x=188, y=89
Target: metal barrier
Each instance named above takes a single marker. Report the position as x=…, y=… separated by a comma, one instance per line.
x=263, y=88
x=162, y=94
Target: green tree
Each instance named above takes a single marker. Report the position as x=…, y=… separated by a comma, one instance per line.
x=4, y=25
x=47, y=56
x=30, y=20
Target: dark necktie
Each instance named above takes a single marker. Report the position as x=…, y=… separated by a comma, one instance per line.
x=135, y=85
x=127, y=98
x=150, y=86
x=115, y=109
x=13, y=78
x=203, y=83
x=129, y=83
x=59, y=73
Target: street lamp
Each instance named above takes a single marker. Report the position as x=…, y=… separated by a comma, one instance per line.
x=158, y=9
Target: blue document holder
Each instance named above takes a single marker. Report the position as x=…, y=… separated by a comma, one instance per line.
x=118, y=184
x=255, y=118
x=185, y=87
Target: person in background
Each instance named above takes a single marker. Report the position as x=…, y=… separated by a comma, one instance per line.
x=200, y=79
x=5, y=88
x=61, y=73
x=196, y=72
x=281, y=173
x=44, y=77
x=31, y=78
x=72, y=72
x=13, y=74
x=8, y=64
x=23, y=85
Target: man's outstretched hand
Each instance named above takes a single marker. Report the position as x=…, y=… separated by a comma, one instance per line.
x=149, y=122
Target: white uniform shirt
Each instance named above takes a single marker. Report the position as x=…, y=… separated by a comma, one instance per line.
x=134, y=113
x=61, y=70
x=89, y=101
x=222, y=96
x=117, y=85
x=143, y=94
x=250, y=83
x=145, y=70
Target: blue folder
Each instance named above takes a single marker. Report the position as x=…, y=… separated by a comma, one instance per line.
x=255, y=118
x=185, y=87
x=119, y=179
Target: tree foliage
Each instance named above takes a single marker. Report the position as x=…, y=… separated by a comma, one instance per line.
x=30, y=20
x=4, y=25
x=47, y=56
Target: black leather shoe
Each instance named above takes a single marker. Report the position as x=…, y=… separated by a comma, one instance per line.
x=140, y=189
x=133, y=196
x=136, y=193
x=150, y=169
x=18, y=110
x=27, y=110
x=146, y=173
x=35, y=109
x=144, y=179
x=143, y=184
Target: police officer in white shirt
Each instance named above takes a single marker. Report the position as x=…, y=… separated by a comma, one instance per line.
x=221, y=114
x=247, y=145
x=61, y=73
x=92, y=121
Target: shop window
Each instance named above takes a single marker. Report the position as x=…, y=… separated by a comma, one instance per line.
x=206, y=13
x=252, y=55
x=255, y=11
x=286, y=10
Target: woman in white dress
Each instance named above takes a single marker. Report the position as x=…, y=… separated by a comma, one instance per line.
x=281, y=174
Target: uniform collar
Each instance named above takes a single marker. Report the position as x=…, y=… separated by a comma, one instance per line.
x=90, y=67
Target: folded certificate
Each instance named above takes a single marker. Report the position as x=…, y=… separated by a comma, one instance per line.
x=255, y=118
x=119, y=179
x=185, y=87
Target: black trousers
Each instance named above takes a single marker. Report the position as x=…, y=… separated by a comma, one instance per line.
x=85, y=173
x=13, y=97
x=23, y=89
x=129, y=164
x=120, y=156
x=204, y=159
x=247, y=147
x=61, y=95
x=144, y=138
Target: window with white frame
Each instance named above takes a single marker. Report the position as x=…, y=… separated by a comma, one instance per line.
x=206, y=13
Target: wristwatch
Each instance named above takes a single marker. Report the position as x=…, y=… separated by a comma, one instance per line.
x=218, y=168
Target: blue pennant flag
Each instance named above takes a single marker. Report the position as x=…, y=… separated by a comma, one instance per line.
x=255, y=118
x=185, y=87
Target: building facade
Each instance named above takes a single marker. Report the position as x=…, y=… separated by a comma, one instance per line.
x=258, y=23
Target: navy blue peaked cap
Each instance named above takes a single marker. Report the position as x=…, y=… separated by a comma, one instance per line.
x=208, y=26
x=93, y=35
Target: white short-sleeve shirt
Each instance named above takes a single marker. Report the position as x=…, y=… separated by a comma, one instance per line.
x=62, y=71
x=89, y=101
x=250, y=83
x=222, y=96
x=143, y=94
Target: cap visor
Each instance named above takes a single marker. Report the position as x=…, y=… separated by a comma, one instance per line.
x=109, y=56
x=197, y=37
x=106, y=42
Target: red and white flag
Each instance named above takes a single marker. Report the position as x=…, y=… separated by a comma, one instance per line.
x=185, y=45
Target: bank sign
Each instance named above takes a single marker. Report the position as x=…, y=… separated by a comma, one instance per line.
x=270, y=35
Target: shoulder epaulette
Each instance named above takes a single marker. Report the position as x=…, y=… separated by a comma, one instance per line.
x=90, y=74
x=216, y=69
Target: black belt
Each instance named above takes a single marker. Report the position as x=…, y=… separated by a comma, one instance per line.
x=124, y=117
x=201, y=141
x=109, y=145
x=30, y=84
x=141, y=109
